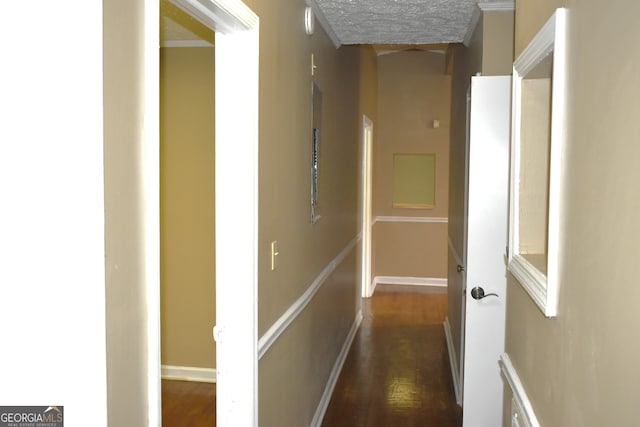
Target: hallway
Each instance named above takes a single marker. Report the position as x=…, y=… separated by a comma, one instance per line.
x=397, y=372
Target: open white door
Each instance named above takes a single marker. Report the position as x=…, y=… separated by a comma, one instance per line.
x=485, y=270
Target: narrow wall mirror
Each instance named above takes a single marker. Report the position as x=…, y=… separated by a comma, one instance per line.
x=536, y=162
x=316, y=126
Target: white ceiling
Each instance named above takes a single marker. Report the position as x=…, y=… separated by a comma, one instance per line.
x=395, y=22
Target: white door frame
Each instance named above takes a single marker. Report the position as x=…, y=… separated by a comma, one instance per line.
x=366, y=214
x=236, y=173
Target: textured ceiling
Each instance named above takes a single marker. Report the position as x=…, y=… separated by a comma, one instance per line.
x=377, y=22
x=397, y=21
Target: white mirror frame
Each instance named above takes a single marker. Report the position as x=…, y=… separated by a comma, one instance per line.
x=550, y=40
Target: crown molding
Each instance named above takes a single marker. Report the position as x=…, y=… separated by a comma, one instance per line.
x=482, y=7
x=497, y=6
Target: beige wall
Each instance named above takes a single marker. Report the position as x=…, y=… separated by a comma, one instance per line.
x=126, y=294
x=580, y=368
x=294, y=371
x=413, y=90
x=497, y=51
x=187, y=222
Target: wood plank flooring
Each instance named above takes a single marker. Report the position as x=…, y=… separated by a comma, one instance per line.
x=188, y=404
x=397, y=372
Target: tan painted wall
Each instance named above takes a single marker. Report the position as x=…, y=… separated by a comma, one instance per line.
x=529, y=17
x=126, y=302
x=413, y=90
x=580, y=368
x=294, y=371
x=497, y=52
x=187, y=221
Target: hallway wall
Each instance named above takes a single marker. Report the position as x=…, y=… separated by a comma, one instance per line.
x=580, y=368
x=187, y=206
x=413, y=90
x=307, y=306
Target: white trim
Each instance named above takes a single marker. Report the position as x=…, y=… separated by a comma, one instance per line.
x=280, y=325
x=185, y=43
x=324, y=23
x=550, y=40
x=427, y=219
x=150, y=161
x=335, y=373
x=497, y=6
x=188, y=373
x=366, y=207
x=518, y=391
x=453, y=361
x=222, y=16
x=237, y=78
x=435, y=282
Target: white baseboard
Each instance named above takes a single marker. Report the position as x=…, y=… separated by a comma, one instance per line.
x=426, y=219
x=521, y=403
x=453, y=361
x=335, y=373
x=434, y=282
x=188, y=373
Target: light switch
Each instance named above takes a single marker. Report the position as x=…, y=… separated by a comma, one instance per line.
x=274, y=255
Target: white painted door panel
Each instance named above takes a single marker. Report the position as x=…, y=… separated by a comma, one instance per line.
x=486, y=243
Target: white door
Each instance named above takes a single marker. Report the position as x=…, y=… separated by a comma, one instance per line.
x=485, y=269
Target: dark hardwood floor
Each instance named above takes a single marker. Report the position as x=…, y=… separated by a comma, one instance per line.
x=188, y=404
x=397, y=372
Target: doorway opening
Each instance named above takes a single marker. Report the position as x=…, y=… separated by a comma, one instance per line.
x=187, y=218
x=236, y=137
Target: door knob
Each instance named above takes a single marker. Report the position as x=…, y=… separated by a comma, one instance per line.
x=460, y=268
x=478, y=293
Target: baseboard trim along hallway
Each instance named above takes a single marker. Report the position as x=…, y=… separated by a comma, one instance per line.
x=453, y=361
x=188, y=373
x=335, y=373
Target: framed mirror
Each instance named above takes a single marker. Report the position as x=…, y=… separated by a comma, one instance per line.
x=316, y=126
x=537, y=145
